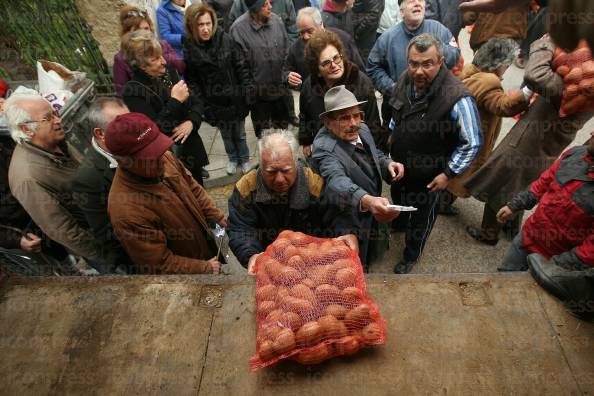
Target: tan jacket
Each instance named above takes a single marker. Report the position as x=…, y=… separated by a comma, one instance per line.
x=493, y=103
x=42, y=182
x=163, y=224
x=511, y=23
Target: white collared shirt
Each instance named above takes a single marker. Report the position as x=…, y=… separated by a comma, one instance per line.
x=112, y=162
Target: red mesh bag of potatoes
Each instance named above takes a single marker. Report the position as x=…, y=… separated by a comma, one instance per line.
x=577, y=70
x=312, y=302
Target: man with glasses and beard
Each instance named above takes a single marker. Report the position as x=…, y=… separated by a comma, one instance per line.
x=353, y=168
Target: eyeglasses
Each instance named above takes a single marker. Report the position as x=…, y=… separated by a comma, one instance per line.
x=309, y=31
x=47, y=118
x=346, y=118
x=424, y=65
x=141, y=14
x=336, y=59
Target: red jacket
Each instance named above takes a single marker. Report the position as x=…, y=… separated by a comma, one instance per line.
x=564, y=218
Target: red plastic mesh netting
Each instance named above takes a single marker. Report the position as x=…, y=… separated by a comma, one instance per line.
x=312, y=302
x=577, y=70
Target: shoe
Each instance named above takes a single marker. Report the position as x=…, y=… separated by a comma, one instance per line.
x=448, y=211
x=231, y=167
x=477, y=235
x=294, y=120
x=205, y=174
x=246, y=167
x=404, y=267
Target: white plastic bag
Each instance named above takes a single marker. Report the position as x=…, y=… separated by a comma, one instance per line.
x=49, y=81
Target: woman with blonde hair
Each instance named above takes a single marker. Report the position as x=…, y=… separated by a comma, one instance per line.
x=132, y=19
x=157, y=91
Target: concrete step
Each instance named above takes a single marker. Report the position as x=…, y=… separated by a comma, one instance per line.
x=447, y=334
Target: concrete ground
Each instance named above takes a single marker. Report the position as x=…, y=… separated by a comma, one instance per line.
x=448, y=250
x=490, y=334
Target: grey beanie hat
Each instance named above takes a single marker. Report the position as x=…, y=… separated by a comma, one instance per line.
x=495, y=53
x=254, y=5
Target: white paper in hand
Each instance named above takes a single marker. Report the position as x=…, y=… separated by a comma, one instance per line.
x=402, y=208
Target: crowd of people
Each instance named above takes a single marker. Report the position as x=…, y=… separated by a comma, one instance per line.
x=135, y=201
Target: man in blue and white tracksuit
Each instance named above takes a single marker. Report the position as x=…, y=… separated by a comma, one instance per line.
x=436, y=135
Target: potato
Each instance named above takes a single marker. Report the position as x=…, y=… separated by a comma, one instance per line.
x=280, y=245
x=586, y=87
x=309, y=283
x=267, y=292
x=562, y=70
x=289, y=252
x=265, y=307
x=266, y=350
x=371, y=333
x=296, y=305
x=352, y=294
x=273, y=316
x=289, y=276
x=341, y=251
x=571, y=91
x=347, y=346
x=574, y=76
x=290, y=320
x=588, y=69
x=314, y=356
x=332, y=327
x=281, y=293
x=269, y=332
x=336, y=310
x=273, y=268
x=300, y=239
x=309, y=334
x=296, y=262
x=286, y=234
x=328, y=293
x=358, y=317
x=304, y=292
x=345, y=277
x=285, y=342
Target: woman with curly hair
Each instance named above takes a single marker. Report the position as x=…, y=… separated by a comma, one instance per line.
x=324, y=56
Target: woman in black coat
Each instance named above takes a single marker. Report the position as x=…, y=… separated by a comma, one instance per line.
x=157, y=91
x=328, y=67
x=219, y=74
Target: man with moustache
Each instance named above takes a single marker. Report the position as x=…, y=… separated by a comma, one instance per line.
x=158, y=211
x=353, y=169
x=557, y=242
x=41, y=172
x=436, y=135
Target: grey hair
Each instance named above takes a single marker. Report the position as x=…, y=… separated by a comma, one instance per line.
x=423, y=42
x=271, y=139
x=311, y=12
x=95, y=115
x=495, y=53
x=17, y=116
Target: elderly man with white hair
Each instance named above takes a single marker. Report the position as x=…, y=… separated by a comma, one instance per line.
x=41, y=172
x=282, y=194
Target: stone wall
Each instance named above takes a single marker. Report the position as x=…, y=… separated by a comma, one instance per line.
x=103, y=18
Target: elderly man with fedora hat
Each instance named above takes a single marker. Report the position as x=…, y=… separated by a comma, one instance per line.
x=353, y=167
x=158, y=211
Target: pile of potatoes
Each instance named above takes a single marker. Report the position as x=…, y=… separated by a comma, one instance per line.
x=577, y=70
x=311, y=302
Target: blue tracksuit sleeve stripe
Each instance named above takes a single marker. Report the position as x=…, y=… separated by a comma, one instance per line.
x=466, y=116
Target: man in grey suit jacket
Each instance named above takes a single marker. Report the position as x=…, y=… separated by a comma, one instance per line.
x=345, y=155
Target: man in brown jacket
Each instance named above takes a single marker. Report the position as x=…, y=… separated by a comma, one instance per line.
x=158, y=211
x=41, y=173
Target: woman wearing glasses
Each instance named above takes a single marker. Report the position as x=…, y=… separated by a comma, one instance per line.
x=328, y=67
x=132, y=19
x=219, y=74
x=156, y=90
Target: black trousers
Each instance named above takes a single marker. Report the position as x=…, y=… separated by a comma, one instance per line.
x=193, y=155
x=418, y=224
x=269, y=114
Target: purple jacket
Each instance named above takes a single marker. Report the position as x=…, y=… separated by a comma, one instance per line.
x=122, y=71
